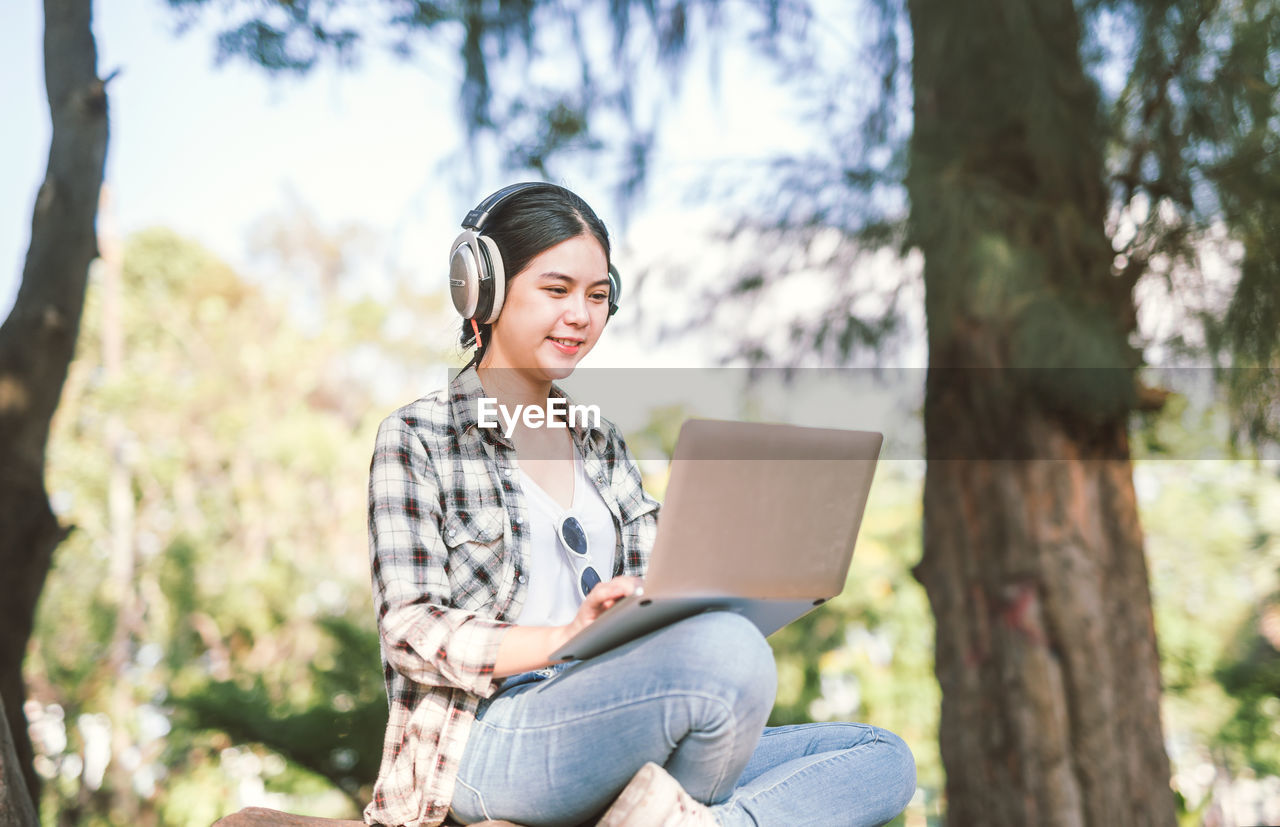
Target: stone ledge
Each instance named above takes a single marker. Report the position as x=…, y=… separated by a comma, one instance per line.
x=262, y=817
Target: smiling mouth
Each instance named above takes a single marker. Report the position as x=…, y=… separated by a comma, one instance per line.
x=566, y=342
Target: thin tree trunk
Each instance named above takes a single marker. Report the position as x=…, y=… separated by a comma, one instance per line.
x=38, y=339
x=16, y=809
x=1033, y=555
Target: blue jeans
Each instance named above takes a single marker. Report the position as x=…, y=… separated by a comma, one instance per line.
x=692, y=697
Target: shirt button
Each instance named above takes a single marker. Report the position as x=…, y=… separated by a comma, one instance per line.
x=523, y=579
x=506, y=472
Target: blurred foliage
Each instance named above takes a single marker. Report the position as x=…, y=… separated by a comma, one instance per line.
x=1194, y=135
x=335, y=731
x=1250, y=673
x=1213, y=547
x=211, y=630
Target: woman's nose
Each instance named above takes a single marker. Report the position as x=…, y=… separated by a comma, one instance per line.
x=576, y=311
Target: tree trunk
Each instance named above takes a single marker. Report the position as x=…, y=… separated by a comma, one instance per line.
x=16, y=809
x=1045, y=645
x=38, y=339
x=1033, y=556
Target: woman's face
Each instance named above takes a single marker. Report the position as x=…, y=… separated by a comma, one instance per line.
x=554, y=311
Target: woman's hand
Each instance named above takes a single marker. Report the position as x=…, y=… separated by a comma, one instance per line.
x=600, y=599
x=525, y=648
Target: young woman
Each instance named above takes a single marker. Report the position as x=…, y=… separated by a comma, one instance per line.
x=489, y=551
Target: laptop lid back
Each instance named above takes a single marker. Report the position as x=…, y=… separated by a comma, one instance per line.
x=761, y=510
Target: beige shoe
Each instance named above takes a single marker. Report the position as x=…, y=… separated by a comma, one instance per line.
x=652, y=798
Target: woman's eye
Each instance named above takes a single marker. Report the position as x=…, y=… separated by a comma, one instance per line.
x=559, y=291
x=599, y=297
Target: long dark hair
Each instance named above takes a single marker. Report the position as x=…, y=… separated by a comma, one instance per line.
x=526, y=224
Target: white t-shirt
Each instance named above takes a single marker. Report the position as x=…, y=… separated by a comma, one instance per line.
x=553, y=593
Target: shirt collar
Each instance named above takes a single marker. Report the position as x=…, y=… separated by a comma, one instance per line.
x=465, y=391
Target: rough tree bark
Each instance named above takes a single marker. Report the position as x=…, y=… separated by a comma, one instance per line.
x=1033, y=553
x=38, y=339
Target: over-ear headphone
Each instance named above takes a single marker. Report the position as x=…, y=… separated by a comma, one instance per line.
x=477, y=281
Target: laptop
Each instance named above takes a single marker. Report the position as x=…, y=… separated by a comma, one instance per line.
x=759, y=519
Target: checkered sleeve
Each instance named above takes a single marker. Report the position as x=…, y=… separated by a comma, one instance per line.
x=423, y=637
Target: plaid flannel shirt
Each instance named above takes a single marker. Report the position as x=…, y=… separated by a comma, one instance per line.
x=449, y=543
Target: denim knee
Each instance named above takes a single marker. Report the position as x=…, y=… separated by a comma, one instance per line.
x=730, y=649
x=900, y=765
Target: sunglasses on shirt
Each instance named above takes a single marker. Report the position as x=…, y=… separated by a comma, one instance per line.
x=574, y=538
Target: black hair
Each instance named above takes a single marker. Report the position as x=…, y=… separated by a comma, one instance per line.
x=527, y=224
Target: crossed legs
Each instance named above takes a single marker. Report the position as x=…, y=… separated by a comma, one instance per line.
x=692, y=697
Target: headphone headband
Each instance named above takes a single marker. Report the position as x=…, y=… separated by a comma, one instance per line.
x=475, y=219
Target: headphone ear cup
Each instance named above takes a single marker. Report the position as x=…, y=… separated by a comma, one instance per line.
x=493, y=281
x=615, y=289
x=464, y=274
